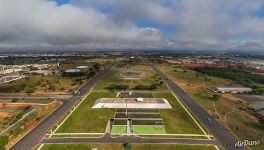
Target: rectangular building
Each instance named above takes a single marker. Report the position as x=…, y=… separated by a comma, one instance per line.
x=230, y=89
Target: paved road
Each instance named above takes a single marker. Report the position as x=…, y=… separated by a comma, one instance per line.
x=35, y=135
x=34, y=95
x=222, y=135
x=126, y=139
x=30, y=100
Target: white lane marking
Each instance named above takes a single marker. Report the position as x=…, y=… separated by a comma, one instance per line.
x=189, y=114
x=74, y=108
x=208, y=136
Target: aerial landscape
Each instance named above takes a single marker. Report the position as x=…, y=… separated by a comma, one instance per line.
x=131, y=75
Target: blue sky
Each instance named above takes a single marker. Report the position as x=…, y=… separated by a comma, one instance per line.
x=61, y=2
x=139, y=24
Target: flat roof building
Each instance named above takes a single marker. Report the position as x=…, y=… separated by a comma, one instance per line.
x=257, y=106
x=82, y=67
x=230, y=89
x=72, y=71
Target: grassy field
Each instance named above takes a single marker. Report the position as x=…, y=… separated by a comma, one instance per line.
x=86, y=119
x=8, y=116
x=42, y=84
x=121, y=147
x=176, y=120
x=118, y=129
x=241, y=123
x=148, y=129
x=113, y=77
x=254, y=81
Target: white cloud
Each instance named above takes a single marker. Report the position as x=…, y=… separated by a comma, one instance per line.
x=44, y=23
x=196, y=24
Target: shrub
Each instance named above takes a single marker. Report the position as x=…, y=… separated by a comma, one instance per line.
x=14, y=100
x=152, y=87
x=117, y=87
x=3, y=141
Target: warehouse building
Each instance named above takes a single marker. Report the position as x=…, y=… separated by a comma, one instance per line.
x=230, y=90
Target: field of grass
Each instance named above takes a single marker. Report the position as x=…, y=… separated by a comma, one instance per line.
x=247, y=79
x=148, y=129
x=176, y=120
x=9, y=115
x=86, y=119
x=241, y=123
x=42, y=84
x=121, y=147
x=118, y=129
x=113, y=78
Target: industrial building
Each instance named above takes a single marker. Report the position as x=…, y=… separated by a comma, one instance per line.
x=230, y=89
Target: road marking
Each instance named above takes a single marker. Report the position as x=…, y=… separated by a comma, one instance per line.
x=74, y=108
x=75, y=134
x=129, y=134
x=189, y=114
x=193, y=118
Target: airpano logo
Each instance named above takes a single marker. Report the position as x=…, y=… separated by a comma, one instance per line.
x=247, y=143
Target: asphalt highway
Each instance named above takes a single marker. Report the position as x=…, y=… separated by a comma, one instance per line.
x=127, y=139
x=222, y=135
x=36, y=134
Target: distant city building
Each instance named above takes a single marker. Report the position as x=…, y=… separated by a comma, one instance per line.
x=140, y=99
x=72, y=71
x=257, y=106
x=261, y=113
x=44, y=72
x=82, y=67
x=230, y=89
x=6, y=79
x=2, y=68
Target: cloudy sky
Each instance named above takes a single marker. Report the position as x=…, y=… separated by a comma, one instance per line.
x=132, y=24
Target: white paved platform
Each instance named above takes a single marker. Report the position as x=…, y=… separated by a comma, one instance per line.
x=148, y=103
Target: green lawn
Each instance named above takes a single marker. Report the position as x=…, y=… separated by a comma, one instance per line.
x=148, y=129
x=86, y=119
x=121, y=147
x=113, y=78
x=119, y=129
x=176, y=120
x=38, y=83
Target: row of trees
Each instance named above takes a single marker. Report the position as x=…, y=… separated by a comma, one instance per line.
x=244, y=78
x=126, y=87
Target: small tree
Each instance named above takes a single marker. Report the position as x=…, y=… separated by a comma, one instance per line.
x=30, y=90
x=216, y=97
x=152, y=87
x=14, y=100
x=3, y=141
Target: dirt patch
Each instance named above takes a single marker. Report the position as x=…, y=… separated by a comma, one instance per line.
x=251, y=98
x=3, y=114
x=131, y=74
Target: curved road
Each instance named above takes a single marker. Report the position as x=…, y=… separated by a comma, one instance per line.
x=226, y=139
x=36, y=134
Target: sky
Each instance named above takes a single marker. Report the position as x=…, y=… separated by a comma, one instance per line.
x=132, y=24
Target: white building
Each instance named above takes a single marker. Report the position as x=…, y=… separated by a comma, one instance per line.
x=230, y=89
x=72, y=71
